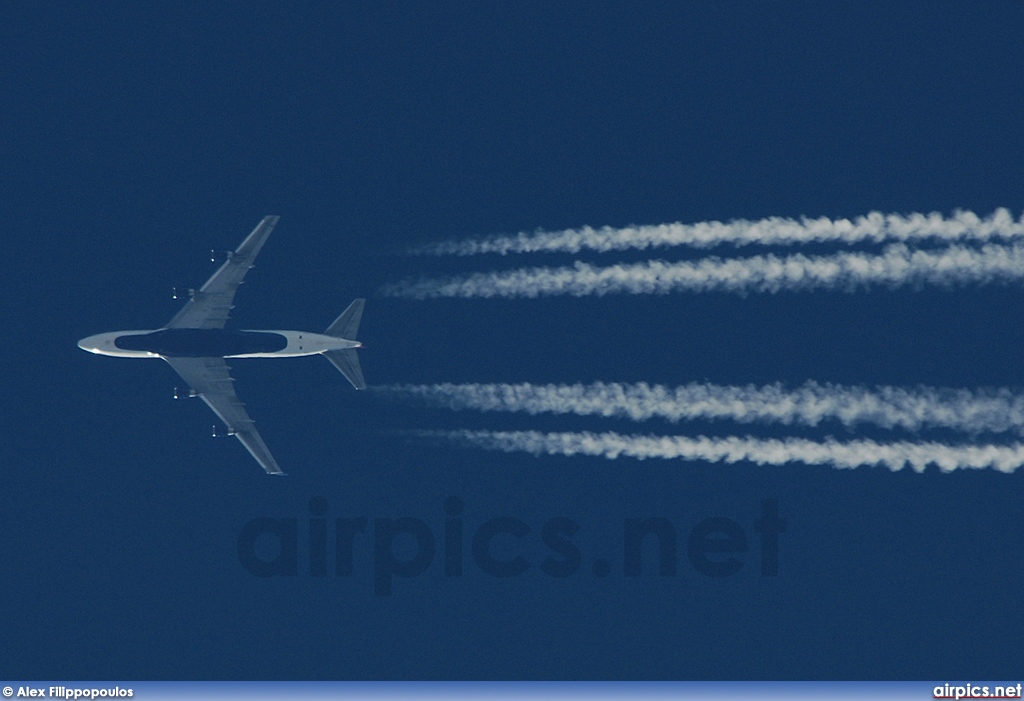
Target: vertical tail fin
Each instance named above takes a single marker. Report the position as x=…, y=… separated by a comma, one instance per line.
x=347, y=325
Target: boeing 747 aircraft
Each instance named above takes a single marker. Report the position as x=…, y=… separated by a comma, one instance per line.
x=195, y=343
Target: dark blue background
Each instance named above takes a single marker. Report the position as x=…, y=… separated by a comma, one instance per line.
x=137, y=136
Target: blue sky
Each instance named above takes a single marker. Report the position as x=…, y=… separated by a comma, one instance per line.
x=136, y=137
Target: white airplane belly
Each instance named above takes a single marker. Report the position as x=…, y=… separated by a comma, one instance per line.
x=303, y=343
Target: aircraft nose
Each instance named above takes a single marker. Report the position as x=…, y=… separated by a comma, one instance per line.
x=88, y=344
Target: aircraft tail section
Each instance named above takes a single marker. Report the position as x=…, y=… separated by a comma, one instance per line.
x=348, y=363
x=347, y=325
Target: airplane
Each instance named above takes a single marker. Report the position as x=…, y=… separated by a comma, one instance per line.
x=195, y=343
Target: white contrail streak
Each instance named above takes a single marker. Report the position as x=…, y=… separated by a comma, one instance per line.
x=875, y=227
x=915, y=409
x=896, y=266
x=895, y=456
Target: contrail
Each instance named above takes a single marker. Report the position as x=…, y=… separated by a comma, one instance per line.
x=874, y=227
x=895, y=456
x=896, y=266
x=915, y=409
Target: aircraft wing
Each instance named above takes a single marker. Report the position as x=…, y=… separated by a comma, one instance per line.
x=212, y=303
x=211, y=380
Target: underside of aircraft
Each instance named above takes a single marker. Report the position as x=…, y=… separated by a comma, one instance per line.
x=195, y=343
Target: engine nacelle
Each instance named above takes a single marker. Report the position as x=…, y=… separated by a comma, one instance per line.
x=180, y=292
x=220, y=256
x=179, y=394
x=219, y=432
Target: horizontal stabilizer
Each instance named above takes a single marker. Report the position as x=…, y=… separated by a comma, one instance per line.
x=347, y=361
x=347, y=325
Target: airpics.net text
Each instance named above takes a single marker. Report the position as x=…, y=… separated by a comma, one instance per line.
x=406, y=547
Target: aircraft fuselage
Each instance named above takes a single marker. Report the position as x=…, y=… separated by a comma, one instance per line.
x=212, y=343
